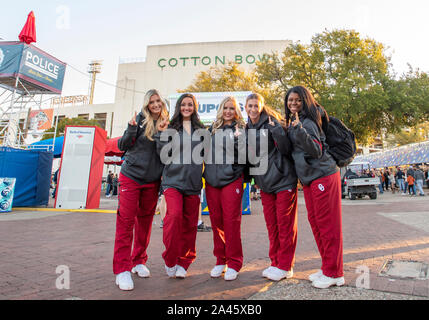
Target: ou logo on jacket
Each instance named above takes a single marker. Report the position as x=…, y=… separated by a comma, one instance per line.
x=321, y=187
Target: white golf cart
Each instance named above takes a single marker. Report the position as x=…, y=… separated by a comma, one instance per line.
x=356, y=181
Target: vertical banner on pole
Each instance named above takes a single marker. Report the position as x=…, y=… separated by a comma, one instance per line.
x=81, y=168
x=245, y=201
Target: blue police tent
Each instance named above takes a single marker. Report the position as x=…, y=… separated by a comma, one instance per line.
x=32, y=170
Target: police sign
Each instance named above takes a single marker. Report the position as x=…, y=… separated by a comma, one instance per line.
x=32, y=65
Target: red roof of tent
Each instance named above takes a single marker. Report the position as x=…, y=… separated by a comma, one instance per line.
x=112, y=147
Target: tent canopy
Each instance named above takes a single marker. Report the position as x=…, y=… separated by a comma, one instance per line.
x=47, y=145
x=112, y=147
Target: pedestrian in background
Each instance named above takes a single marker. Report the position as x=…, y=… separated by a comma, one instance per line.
x=139, y=182
x=420, y=178
x=386, y=178
x=392, y=182
x=410, y=181
x=109, y=184
x=410, y=172
x=115, y=185
x=380, y=178
x=400, y=178
x=55, y=181
x=427, y=176
x=320, y=176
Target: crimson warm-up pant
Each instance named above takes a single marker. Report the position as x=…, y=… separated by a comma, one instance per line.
x=137, y=204
x=180, y=228
x=280, y=212
x=225, y=216
x=323, y=202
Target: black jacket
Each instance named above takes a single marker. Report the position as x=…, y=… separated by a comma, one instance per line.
x=280, y=174
x=220, y=175
x=312, y=161
x=141, y=163
x=400, y=174
x=177, y=174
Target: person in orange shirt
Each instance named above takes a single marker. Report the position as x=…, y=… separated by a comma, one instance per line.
x=410, y=181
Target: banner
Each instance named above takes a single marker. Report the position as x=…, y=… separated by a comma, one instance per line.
x=41, y=120
x=10, y=58
x=208, y=103
x=7, y=187
x=31, y=64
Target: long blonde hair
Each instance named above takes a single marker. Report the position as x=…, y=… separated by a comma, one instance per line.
x=218, y=123
x=151, y=129
x=267, y=109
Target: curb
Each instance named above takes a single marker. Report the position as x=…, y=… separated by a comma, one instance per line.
x=63, y=210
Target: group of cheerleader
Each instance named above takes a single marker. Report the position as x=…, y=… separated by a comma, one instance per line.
x=295, y=149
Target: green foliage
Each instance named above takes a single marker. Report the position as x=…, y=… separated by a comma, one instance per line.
x=414, y=134
x=69, y=122
x=346, y=74
x=349, y=75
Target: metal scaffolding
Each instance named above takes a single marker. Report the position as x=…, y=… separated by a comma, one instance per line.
x=16, y=103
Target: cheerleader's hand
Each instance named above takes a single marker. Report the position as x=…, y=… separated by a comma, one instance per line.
x=133, y=122
x=296, y=121
x=237, y=131
x=163, y=125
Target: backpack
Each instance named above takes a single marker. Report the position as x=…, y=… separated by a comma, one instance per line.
x=341, y=141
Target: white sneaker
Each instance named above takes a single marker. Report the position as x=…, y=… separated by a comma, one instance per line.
x=171, y=272
x=268, y=270
x=124, y=281
x=141, y=270
x=315, y=276
x=217, y=270
x=324, y=282
x=278, y=274
x=180, y=272
x=230, y=274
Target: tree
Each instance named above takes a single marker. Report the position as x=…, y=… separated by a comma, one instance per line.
x=61, y=127
x=227, y=78
x=351, y=77
x=415, y=134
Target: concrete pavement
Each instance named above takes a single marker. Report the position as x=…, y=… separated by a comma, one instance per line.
x=39, y=249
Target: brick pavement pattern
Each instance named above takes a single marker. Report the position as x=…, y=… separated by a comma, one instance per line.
x=34, y=244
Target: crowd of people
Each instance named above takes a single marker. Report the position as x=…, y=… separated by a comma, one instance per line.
x=408, y=180
x=296, y=148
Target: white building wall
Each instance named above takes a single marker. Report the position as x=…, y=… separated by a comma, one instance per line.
x=160, y=70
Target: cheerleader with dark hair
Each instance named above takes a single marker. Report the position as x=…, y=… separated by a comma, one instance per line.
x=320, y=177
x=181, y=185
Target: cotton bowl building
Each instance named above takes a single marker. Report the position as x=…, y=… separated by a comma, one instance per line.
x=167, y=68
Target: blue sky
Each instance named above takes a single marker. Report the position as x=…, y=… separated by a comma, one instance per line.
x=79, y=31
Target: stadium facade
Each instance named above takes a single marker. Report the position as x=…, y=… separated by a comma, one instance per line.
x=168, y=68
